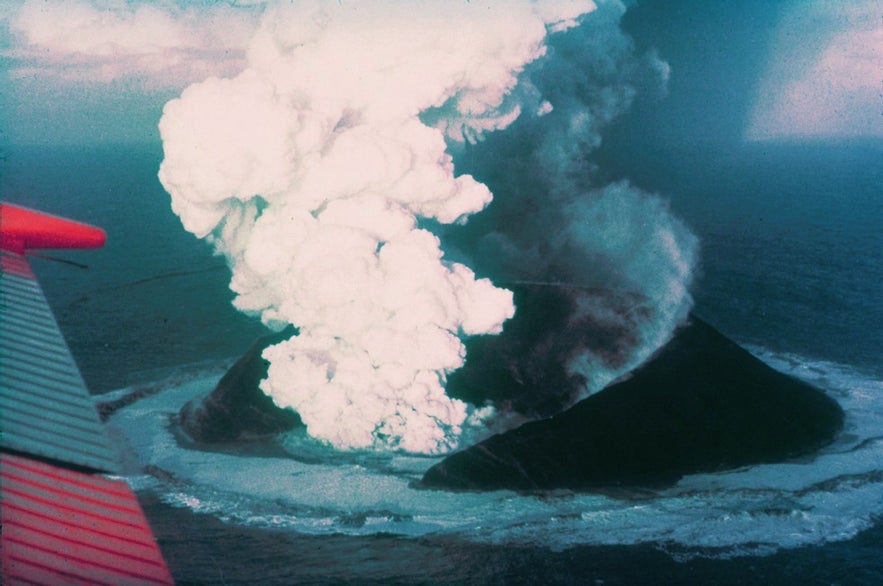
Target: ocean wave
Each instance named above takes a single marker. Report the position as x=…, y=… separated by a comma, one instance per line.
x=829, y=496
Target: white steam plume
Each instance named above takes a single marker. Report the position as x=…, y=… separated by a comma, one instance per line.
x=309, y=171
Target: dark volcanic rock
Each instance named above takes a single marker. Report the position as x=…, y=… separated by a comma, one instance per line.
x=524, y=369
x=237, y=408
x=701, y=403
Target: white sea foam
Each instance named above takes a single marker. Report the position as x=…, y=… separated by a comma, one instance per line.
x=830, y=496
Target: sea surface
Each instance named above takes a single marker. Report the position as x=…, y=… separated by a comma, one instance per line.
x=792, y=268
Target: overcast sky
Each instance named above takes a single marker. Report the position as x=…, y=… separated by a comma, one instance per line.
x=85, y=71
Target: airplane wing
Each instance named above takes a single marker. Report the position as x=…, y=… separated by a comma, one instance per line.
x=65, y=518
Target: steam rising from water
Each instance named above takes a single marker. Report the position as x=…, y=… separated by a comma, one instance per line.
x=315, y=170
x=628, y=261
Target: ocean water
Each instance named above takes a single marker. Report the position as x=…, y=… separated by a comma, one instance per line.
x=792, y=267
x=154, y=297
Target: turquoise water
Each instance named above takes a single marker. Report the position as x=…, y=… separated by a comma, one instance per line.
x=813, y=257
x=154, y=297
x=792, y=266
x=792, y=246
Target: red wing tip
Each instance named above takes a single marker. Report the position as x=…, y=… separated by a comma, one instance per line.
x=23, y=229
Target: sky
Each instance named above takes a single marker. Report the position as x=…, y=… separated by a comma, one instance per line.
x=825, y=76
x=760, y=70
x=100, y=71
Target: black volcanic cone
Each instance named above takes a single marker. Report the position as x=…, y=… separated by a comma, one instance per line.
x=524, y=369
x=237, y=408
x=701, y=403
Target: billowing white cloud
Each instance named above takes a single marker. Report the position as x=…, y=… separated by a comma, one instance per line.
x=825, y=75
x=320, y=169
x=163, y=44
x=311, y=170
